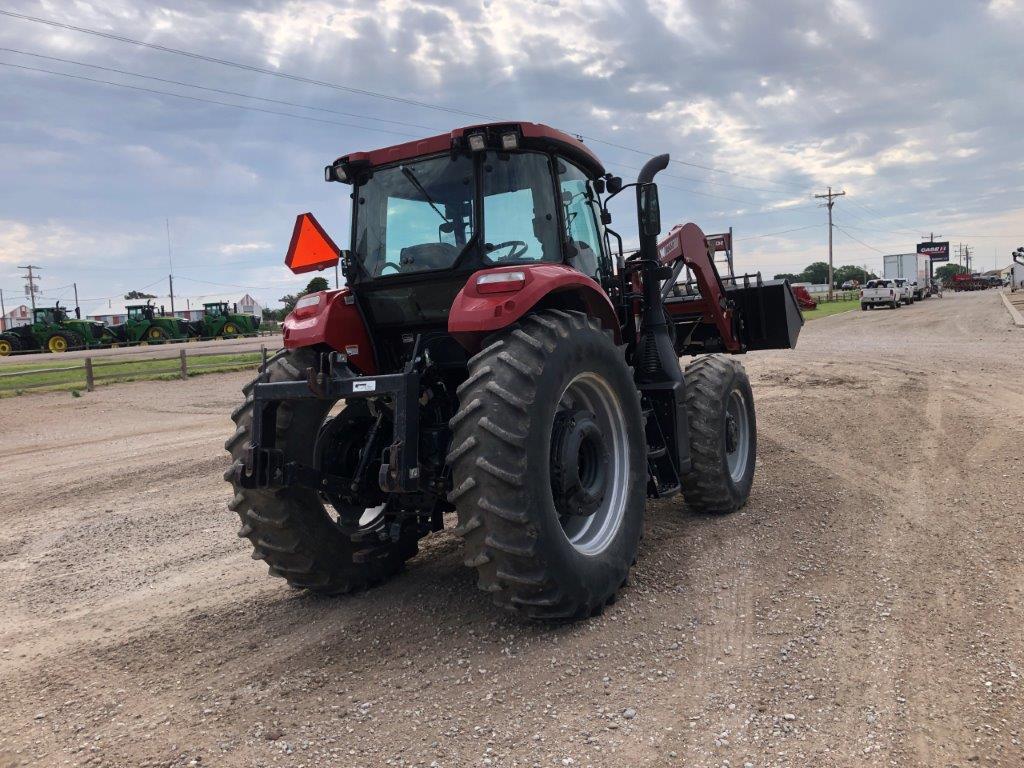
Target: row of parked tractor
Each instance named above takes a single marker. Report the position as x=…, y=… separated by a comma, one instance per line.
x=54, y=329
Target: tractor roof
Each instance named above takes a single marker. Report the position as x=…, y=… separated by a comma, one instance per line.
x=533, y=136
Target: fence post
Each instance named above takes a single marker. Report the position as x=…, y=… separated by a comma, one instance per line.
x=184, y=365
x=90, y=382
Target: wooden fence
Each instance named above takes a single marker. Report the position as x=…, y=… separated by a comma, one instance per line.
x=97, y=370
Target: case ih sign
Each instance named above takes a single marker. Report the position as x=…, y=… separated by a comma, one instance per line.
x=937, y=251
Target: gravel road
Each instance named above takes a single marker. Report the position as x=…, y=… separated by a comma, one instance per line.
x=865, y=609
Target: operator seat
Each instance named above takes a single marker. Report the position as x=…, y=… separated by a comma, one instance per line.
x=427, y=256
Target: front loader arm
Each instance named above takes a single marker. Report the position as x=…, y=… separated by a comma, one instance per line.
x=687, y=244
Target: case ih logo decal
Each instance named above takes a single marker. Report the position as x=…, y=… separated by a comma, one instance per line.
x=719, y=242
x=938, y=251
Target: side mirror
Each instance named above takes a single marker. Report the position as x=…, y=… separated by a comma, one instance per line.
x=599, y=186
x=614, y=184
x=650, y=211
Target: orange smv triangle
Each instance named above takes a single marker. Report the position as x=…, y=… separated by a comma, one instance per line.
x=311, y=248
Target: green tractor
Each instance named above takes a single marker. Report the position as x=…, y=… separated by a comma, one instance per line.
x=54, y=330
x=144, y=326
x=219, y=321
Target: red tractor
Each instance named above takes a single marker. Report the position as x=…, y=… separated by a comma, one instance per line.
x=493, y=355
x=804, y=299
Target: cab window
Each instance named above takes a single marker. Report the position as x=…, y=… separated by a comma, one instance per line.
x=580, y=213
x=520, y=221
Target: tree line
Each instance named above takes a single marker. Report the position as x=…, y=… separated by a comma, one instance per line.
x=817, y=273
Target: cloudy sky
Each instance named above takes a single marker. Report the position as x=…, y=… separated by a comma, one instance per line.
x=915, y=108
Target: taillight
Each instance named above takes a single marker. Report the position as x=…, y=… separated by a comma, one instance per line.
x=308, y=305
x=501, y=282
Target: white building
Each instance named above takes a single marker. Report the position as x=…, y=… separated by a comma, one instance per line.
x=12, y=318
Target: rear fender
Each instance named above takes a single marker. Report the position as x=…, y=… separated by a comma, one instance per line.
x=334, y=320
x=475, y=315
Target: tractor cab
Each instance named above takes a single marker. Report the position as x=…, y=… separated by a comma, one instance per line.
x=48, y=315
x=428, y=214
x=138, y=313
x=216, y=309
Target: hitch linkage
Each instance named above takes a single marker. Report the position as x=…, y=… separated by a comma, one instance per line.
x=265, y=465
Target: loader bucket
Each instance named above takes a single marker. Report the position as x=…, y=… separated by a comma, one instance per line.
x=771, y=318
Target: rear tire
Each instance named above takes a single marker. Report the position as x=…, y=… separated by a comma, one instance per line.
x=537, y=385
x=157, y=335
x=60, y=341
x=290, y=528
x=723, y=435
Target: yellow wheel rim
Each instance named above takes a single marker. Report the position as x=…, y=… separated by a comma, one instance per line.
x=155, y=333
x=5, y=347
x=230, y=329
x=58, y=344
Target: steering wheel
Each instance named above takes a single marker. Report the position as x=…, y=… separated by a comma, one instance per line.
x=517, y=249
x=386, y=264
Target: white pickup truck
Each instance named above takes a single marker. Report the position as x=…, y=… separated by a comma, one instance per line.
x=908, y=289
x=880, y=293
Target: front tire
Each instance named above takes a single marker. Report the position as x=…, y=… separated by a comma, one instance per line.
x=549, y=466
x=60, y=342
x=290, y=528
x=723, y=435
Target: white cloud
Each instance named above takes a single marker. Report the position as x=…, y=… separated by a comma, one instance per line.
x=232, y=249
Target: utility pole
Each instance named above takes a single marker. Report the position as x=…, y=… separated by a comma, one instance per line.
x=31, y=278
x=3, y=312
x=170, y=264
x=77, y=308
x=831, y=196
x=931, y=264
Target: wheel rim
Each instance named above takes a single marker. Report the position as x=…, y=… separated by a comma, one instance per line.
x=737, y=435
x=591, y=534
x=331, y=454
x=5, y=347
x=58, y=344
x=230, y=330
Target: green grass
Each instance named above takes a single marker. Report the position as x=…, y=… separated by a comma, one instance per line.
x=831, y=308
x=48, y=380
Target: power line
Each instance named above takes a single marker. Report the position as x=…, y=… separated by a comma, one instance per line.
x=856, y=240
x=238, y=65
x=345, y=88
x=782, y=232
x=236, y=285
x=312, y=119
x=282, y=102
x=209, y=89
x=205, y=101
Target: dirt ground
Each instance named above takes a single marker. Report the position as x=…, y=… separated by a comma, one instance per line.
x=865, y=609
